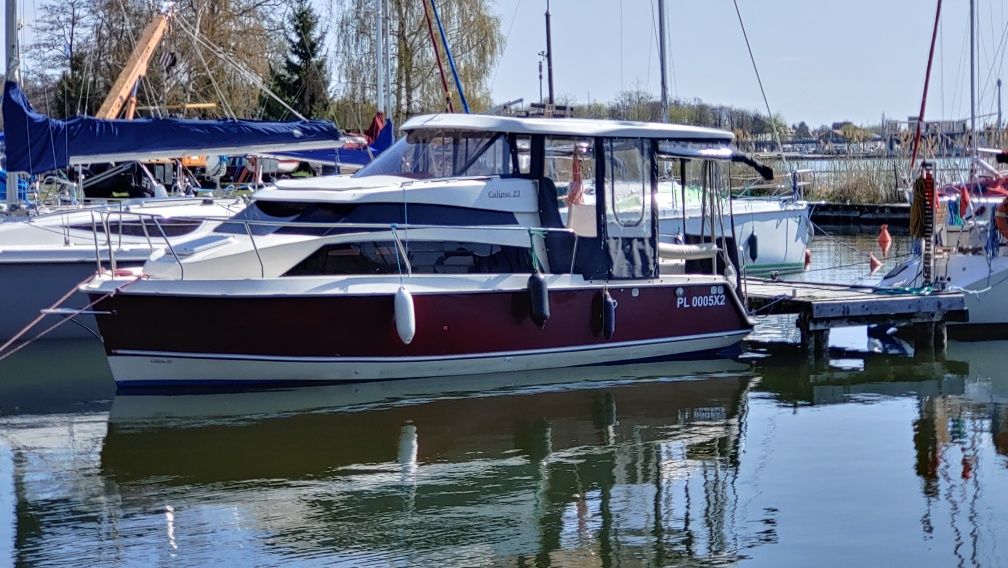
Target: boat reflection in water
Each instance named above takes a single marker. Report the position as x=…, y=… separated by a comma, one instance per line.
x=472, y=470
x=779, y=462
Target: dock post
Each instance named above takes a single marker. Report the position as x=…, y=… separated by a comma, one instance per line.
x=940, y=337
x=925, y=340
x=815, y=342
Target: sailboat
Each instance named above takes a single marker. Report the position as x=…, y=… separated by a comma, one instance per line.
x=770, y=234
x=974, y=263
x=43, y=257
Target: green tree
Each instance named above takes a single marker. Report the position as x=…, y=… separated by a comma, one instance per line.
x=303, y=82
x=216, y=52
x=474, y=36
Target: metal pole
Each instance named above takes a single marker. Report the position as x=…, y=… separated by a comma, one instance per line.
x=542, y=54
x=927, y=82
x=999, y=111
x=661, y=58
x=13, y=74
x=973, y=78
x=387, y=53
x=380, y=54
x=549, y=55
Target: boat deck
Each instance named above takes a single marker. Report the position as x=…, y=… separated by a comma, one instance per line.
x=821, y=307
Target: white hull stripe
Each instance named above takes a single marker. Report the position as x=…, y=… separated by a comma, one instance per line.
x=165, y=369
x=427, y=358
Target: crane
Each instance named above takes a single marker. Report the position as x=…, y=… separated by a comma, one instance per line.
x=122, y=97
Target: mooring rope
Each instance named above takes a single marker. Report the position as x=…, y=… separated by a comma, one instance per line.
x=60, y=322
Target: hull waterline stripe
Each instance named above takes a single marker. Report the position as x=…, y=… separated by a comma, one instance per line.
x=425, y=358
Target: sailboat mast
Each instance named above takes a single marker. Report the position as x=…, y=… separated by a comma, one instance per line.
x=380, y=54
x=973, y=127
x=549, y=55
x=661, y=57
x=13, y=74
x=13, y=57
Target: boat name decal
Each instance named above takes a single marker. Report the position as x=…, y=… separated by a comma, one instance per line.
x=502, y=194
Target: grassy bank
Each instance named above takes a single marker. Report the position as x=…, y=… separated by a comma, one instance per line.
x=846, y=180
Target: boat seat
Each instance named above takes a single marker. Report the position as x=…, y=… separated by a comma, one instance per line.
x=703, y=251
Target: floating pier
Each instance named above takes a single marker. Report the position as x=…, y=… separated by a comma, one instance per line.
x=821, y=307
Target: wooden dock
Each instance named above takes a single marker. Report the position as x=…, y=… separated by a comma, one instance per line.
x=821, y=307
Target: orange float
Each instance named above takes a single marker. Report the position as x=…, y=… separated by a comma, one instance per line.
x=884, y=240
x=873, y=264
x=1001, y=218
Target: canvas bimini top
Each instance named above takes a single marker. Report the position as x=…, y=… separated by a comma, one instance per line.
x=569, y=127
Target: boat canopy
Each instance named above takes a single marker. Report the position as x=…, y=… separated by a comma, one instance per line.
x=37, y=143
x=349, y=154
x=569, y=127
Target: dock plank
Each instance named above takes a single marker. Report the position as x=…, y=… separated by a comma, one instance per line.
x=826, y=305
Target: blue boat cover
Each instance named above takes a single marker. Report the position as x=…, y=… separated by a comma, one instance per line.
x=346, y=155
x=36, y=143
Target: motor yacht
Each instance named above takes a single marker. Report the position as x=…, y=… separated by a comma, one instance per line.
x=447, y=255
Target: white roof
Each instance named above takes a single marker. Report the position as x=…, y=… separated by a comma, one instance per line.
x=569, y=127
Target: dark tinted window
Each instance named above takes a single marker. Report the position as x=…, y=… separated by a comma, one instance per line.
x=426, y=257
x=135, y=227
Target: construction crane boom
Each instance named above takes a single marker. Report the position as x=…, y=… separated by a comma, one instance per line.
x=124, y=88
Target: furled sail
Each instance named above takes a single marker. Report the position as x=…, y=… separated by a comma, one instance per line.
x=36, y=143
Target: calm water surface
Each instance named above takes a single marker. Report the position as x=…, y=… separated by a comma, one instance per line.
x=767, y=461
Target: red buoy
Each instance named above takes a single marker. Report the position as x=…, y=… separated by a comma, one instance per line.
x=874, y=264
x=964, y=200
x=884, y=240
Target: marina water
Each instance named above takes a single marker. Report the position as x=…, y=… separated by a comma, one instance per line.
x=765, y=461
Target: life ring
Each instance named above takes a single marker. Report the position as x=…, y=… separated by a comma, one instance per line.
x=1001, y=217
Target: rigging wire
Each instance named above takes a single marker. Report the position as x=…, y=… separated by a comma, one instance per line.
x=766, y=102
x=507, y=37
x=227, y=58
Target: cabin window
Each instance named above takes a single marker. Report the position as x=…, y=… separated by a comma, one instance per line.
x=323, y=218
x=425, y=257
x=425, y=154
x=144, y=227
x=628, y=178
x=570, y=163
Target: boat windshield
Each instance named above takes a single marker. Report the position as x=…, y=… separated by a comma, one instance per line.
x=424, y=154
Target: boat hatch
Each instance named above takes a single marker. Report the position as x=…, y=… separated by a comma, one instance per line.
x=201, y=244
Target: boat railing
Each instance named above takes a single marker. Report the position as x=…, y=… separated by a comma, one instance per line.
x=399, y=232
x=794, y=182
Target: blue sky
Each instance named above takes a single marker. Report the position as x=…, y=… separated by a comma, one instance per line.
x=820, y=60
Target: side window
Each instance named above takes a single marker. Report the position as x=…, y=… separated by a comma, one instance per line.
x=628, y=187
x=570, y=163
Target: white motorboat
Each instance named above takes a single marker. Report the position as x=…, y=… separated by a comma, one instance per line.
x=445, y=256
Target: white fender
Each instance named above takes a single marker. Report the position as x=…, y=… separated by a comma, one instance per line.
x=405, y=317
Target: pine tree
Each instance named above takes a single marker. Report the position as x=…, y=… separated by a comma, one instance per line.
x=303, y=82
